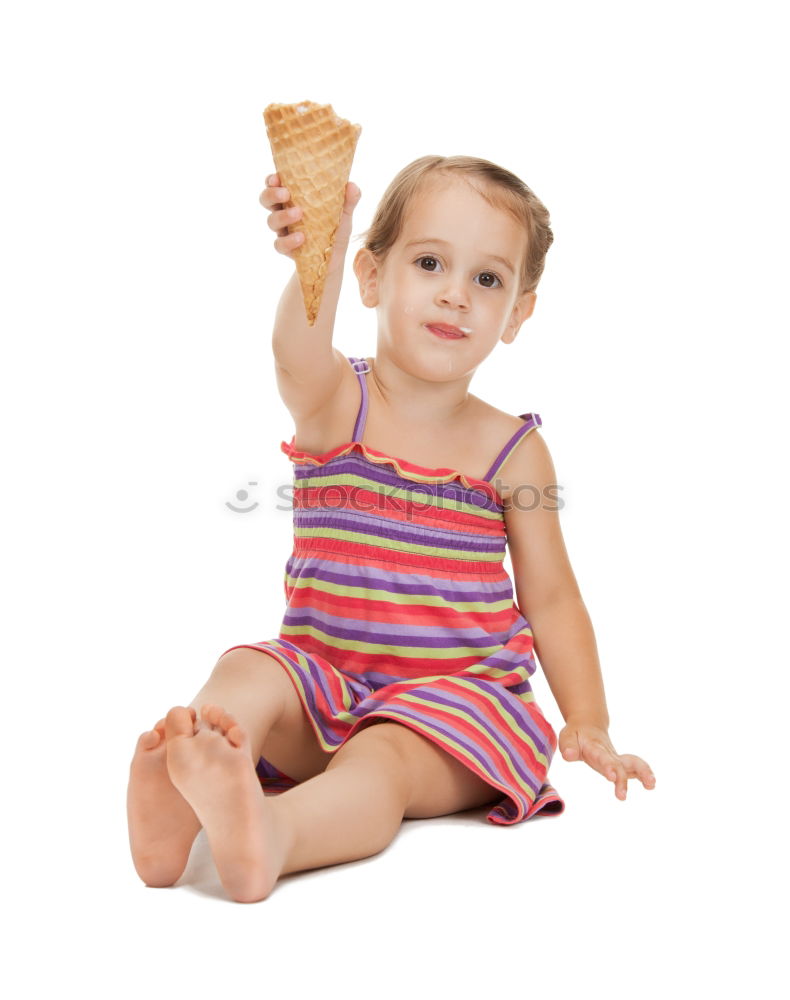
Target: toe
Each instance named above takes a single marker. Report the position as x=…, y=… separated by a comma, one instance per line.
x=235, y=735
x=211, y=714
x=227, y=722
x=149, y=740
x=231, y=730
x=179, y=722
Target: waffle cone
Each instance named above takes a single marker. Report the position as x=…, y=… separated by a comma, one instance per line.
x=312, y=150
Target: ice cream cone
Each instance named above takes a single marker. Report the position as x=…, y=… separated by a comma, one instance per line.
x=312, y=150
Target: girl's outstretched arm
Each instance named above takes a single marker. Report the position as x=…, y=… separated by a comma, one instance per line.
x=549, y=598
x=308, y=368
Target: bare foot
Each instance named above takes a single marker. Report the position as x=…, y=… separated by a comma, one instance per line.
x=162, y=824
x=212, y=768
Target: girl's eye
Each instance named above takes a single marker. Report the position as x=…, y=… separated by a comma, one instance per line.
x=489, y=280
x=486, y=278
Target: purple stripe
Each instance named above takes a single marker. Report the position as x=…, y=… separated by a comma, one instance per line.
x=533, y=420
x=368, y=625
x=362, y=414
x=525, y=660
x=396, y=583
x=377, y=680
x=376, y=632
x=412, y=636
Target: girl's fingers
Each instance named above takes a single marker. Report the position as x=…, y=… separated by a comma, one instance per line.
x=271, y=197
x=274, y=198
x=620, y=779
x=602, y=757
x=638, y=768
x=619, y=768
x=280, y=220
x=287, y=244
x=607, y=763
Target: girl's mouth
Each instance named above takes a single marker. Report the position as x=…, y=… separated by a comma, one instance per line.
x=448, y=332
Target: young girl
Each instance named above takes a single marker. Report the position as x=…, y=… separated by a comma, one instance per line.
x=399, y=683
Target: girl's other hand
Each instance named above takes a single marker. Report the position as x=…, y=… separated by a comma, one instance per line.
x=274, y=198
x=581, y=741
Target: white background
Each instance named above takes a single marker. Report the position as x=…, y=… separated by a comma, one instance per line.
x=138, y=396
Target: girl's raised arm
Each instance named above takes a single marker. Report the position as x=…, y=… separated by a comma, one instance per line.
x=308, y=368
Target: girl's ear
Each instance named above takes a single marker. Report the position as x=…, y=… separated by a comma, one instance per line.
x=366, y=269
x=522, y=310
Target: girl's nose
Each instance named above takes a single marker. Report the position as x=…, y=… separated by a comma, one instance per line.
x=453, y=293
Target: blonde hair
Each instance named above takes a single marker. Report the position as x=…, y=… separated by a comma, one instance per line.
x=500, y=188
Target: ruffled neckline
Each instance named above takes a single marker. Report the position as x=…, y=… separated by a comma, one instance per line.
x=405, y=469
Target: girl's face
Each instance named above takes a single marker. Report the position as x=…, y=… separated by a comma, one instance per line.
x=456, y=264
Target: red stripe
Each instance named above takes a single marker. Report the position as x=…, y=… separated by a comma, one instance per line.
x=460, y=571
x=390, y=611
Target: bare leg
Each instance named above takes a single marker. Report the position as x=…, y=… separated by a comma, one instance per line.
x=351, y=810
x=162, y=825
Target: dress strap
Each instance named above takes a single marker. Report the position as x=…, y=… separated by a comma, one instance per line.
x=361, y=367
x=532, y=421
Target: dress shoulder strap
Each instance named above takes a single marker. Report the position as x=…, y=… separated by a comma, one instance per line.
x=532, y=420
x=361, y=367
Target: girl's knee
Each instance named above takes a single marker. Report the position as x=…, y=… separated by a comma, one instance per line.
x=252, y=671
x=244, y=661
x=379, y=744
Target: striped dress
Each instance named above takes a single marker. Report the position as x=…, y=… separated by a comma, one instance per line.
x=399, y=608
